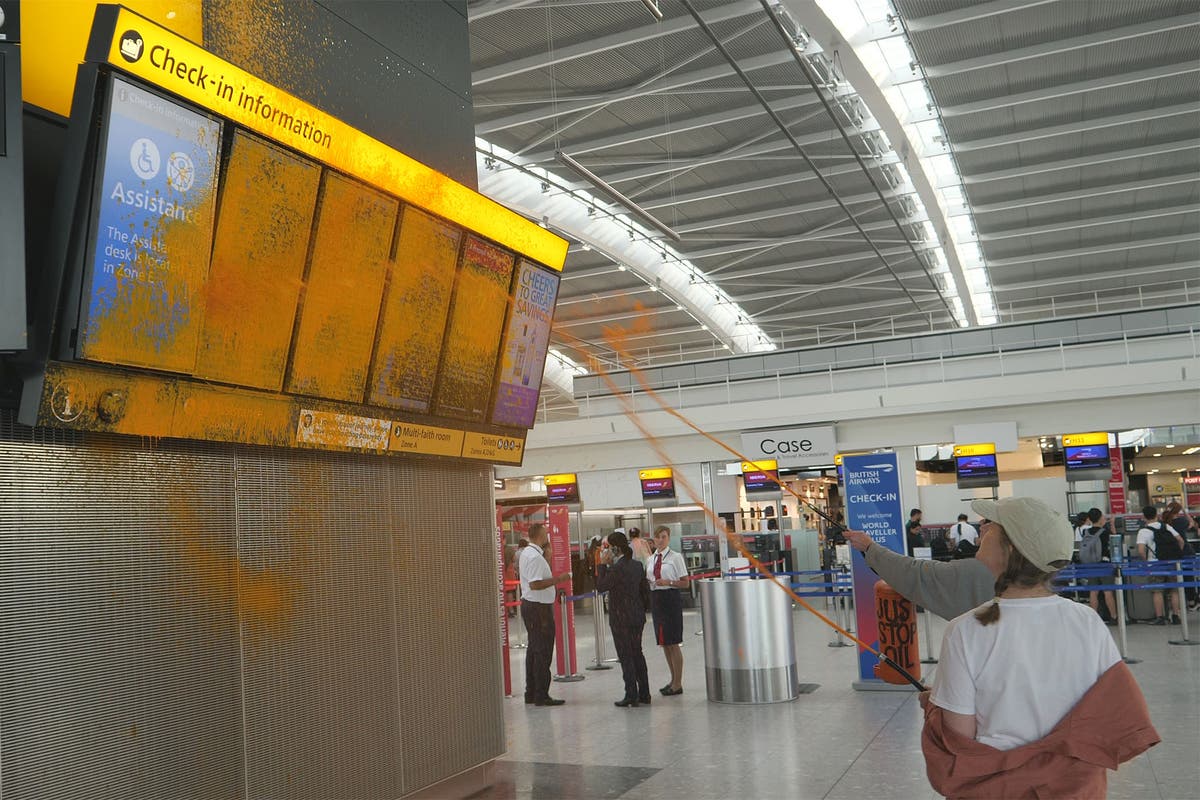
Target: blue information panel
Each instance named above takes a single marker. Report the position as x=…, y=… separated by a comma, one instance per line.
x=872, y=505
x=143, y=299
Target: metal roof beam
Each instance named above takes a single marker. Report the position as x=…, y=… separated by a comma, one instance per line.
x=1114, y=247
x=656, y=129
x=1106, y=157
x=1071, y=128
x=1092, y=222
x=738, y=152
x=782, y=241
x=969, y=14
x=1063, y=45
x=615, y=41
x=552, y=110
x=1077, y=87
x=775, y=212
x=1122, y=271
x=771, y=182
x=938, y=311
x=901, y=253
x=1079, y=194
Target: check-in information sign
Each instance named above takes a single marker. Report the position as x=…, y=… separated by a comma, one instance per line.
x=872, y=505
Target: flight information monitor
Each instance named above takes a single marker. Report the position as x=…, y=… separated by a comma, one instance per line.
x=657, y=484
x=1086, y=456
x=563, y=488
x=975, y=466
x=760, y=477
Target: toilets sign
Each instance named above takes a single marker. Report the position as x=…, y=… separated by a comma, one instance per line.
x=791, y=447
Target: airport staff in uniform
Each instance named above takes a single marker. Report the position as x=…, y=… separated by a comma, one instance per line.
x=668, y=574
x=537, y=612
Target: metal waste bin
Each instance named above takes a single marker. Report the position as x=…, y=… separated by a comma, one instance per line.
x=749, y=646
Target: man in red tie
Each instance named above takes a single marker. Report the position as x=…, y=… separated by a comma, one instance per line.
x=668, y=574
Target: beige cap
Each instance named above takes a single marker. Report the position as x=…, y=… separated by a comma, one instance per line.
x=1039, y=533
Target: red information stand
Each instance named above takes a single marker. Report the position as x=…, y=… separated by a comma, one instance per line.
x=503, y=610
x=560, y=561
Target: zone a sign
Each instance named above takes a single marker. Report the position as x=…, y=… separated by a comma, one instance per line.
x=792, y=447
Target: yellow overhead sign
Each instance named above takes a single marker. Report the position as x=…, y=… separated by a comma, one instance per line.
x=560, y=480
x=769, y=465
x=1077, y=439
x=982, y=449
x=655, y=474
x=155, y=54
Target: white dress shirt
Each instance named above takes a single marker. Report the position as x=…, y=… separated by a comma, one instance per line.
x=533, y=567
x=673, y=568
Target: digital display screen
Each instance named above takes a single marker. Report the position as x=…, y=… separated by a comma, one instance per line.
x=839, y=474
x=268, y=198
x=1088, y=456
x=415, y=311
x=761, y=481
x=563, y=493
x=143, y=295
x=473, y=337
x=523, y=355
x=976, y=466
x=658, y=488
x=350, y=250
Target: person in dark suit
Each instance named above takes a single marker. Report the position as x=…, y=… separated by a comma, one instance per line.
x=624, y=578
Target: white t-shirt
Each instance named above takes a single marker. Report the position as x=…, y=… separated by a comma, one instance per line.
x=673, y=568
x=962, y=531
x=1146, y=537
x=533, y=567
x=1020, y=675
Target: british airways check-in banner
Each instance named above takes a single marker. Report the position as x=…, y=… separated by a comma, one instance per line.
x=872, y=505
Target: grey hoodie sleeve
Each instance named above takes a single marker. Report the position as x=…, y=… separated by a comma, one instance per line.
x=947, y=588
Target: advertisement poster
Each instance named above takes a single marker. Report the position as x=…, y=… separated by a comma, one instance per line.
x=143, y=299
x=558, y=518
x=523, y=356
x=873, y=505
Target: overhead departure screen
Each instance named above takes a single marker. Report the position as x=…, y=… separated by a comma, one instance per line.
x=414, y=313
x=340, y=303
x=473, y=337
x=267, y=201
x=143, y=297
x=523, y=356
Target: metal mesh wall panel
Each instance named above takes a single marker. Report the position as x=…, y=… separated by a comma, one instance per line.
x=182, y=620
x=320, y=680
x=119, y=668
x=450, y=679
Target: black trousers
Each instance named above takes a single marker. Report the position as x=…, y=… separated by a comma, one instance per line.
x=539, y=623
x=628, y=640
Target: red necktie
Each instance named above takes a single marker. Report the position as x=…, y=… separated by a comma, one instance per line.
x=657, y=566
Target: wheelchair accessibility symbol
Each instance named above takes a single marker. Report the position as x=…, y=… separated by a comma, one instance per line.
x=181, y=172
x=144, y=159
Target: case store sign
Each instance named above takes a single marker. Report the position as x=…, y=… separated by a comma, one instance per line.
x=791, y=447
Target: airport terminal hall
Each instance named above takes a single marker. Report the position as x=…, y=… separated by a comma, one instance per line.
x=598, y=399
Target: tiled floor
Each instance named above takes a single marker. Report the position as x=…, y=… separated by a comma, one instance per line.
x=835, y=743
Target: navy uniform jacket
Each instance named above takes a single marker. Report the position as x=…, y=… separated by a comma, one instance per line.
x=628, y=592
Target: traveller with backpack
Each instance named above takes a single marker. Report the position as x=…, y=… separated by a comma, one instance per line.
x=1158, y=542
x=1093, y=549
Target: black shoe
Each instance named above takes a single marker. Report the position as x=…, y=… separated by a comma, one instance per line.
x=669, y=692
x=549, y=701
x=644, y=700
x=626, y=702
x=1131, y=621
x=1110, y=622
x=529, y=701
x=1174, y=619
x=665, y=689
x=1158, y=621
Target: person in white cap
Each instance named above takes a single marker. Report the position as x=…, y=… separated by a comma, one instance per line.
x=1032, y=673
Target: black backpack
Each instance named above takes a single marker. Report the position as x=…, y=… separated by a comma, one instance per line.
x=1166, y=546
